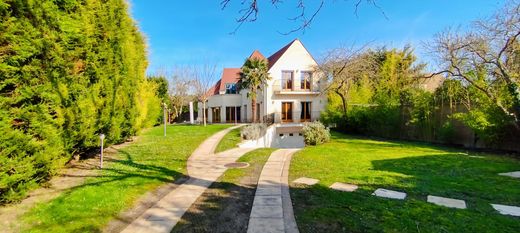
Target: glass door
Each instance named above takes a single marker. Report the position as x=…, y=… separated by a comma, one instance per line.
x=216, y=115
x=306, y=111
x=287, y=108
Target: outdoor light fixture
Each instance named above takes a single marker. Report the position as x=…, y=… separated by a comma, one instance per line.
x=101, y=138
x=164, y=117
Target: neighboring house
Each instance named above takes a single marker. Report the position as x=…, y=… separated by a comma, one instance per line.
x=431, y=84
x=292, y=95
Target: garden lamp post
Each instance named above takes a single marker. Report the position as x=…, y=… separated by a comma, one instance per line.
x=101, y=139
x=164, y=117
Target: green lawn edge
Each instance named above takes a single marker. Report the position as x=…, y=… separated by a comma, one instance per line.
x=138, y=168
x=418, y=169
x=230, y=140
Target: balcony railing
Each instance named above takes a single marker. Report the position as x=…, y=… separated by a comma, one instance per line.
x=296, y=87
x=292, y=117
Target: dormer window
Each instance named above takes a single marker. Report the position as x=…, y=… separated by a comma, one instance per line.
x=231, y=88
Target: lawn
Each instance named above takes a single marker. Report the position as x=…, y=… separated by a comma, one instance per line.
x=140, y=167
x=229, y=141
x=417, y=169
x=226, y=205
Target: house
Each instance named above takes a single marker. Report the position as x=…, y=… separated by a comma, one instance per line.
x=291, y=96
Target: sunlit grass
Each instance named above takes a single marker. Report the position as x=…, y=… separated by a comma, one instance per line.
x=229, y=141
x=415, y=168
x=138, y=168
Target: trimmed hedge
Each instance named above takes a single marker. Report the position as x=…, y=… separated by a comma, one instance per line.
x=70, y=70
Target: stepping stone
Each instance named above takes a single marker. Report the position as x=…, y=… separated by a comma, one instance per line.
x=344, y=187
x=447, y=202
x=507, y=209
x=389, y=194
x=306, y=181
x=511, y=174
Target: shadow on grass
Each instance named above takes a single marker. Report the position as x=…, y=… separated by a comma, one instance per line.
x=88, y=207
x=321, y=209
x=390, y=143
x=456, y=176
x=224, y=207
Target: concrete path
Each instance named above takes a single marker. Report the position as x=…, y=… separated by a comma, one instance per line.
x=204, y=167
x=272, y=208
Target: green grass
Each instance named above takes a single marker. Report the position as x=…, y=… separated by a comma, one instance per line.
x=415, y=168
x=229, y=141
x=226, y=205
x=139, y=167
x=256, y=159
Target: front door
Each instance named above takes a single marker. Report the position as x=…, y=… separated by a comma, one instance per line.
x=287, y=109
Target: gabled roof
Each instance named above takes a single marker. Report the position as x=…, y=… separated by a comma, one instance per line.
x=274, y=58
x=214, y=90
x=256, y=54
x=232, y=75
x=229, y=75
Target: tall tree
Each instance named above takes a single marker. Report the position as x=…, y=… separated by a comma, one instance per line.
x=346, y=67
x=69, y=70
x=486, y=58
x=253, y=75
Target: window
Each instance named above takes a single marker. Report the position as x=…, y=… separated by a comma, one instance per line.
x=215, y=114
x=305, y=111
x=287, y=80
x=232, y=114
x=287, y=111
x=231, y=88
x=306, y=77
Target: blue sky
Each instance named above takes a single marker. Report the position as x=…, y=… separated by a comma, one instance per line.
x=198, y=31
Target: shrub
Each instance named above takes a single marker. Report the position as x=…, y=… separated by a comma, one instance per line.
x=315, y=133
x=69, y=71
x=253, y=131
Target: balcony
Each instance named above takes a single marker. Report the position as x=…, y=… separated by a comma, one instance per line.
x=291, y=118
x=296, y=87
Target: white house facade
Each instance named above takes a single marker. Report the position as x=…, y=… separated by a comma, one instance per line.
x=291, y=96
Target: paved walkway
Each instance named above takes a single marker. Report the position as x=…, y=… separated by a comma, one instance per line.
x=272, y=208
x=204, y=167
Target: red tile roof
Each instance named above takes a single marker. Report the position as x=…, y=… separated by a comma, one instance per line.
x=229, y=75
x=232, y=75
x=256, y=54
x=213, y=90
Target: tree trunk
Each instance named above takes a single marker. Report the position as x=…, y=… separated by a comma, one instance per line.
x=343, y=103
x=514, y=91
x=204, y=112
x=253, y=109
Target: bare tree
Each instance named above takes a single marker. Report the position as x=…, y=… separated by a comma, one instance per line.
x=179, y=92
x=344, y=67
x=204, y=77
x=305, y=17
x=490, y=49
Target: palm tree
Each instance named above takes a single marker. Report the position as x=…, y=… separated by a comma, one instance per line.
x=252, y=76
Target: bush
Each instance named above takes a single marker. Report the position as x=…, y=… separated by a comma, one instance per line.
x=315, y=133
x=253, y=131
x=70, y=70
